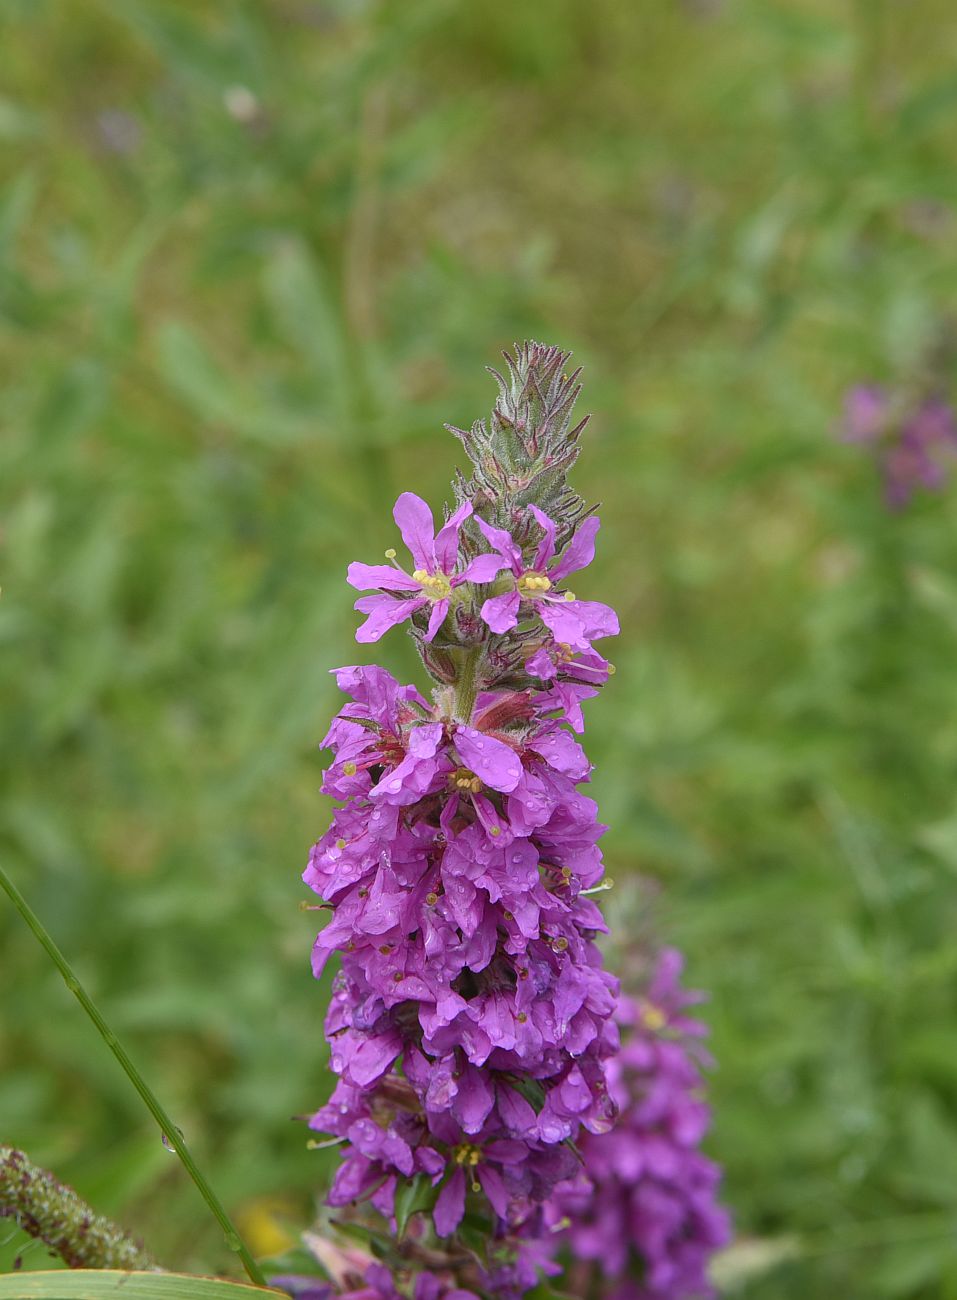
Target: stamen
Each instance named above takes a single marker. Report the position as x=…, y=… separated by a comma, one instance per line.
x=464, y=779
x=653, y=1017
x=599, y=889
x=349, y=768
x=533, y=583
x=434, y=585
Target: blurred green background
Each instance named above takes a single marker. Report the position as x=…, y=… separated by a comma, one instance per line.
x=252, y=255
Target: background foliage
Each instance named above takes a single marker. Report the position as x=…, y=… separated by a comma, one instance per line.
x=251, y=257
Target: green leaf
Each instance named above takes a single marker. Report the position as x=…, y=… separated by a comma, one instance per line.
x=412, y=1198
x=532, y=1091
x=377, y=1242
x=94, y=1283
x=219, y=397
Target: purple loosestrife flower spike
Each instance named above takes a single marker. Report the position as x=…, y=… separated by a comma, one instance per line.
x=471, y=1021
x=642, y=1213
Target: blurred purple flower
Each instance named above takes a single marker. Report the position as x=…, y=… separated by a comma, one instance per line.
x=911, y=444
x=643, y=1210
x=866, y=413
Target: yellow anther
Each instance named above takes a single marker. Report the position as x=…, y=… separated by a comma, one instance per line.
x=464, y=779
x=390, y=553
x=349, y=768
x=521, y=1017
x=466, y=1154
x=531, y=583
x=434, y=585
x=559, y=944
x=653, y=1018
x=474, y=1157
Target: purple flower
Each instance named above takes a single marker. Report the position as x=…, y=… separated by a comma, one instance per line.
x=432, y=582
x=910, y=444
x=867, y=412
x=573, y=622
x=915, y=460
x=643, y=1211
x=471, y=1022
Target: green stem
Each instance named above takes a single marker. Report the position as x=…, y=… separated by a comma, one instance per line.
x=172, y=1134
x=466, y=688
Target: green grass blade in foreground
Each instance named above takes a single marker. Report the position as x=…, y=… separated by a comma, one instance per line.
x=94, y=1283
x=170, y=1131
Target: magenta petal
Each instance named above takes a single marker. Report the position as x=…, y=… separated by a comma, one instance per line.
x=597, y=620
x=437, y=618
x=447, y=538
x=450, y=1205
x=501, y=612
x=495, y=762
x=373, y=1057
x=384, y=613
x=546, y=547
x=516, y=1113
x=494, y=1189
x=483, y=568
x=368, y=577
x=473, y=1101
x=578, y=622
x=579, y=552
x=414, y=519
x=502, y=541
